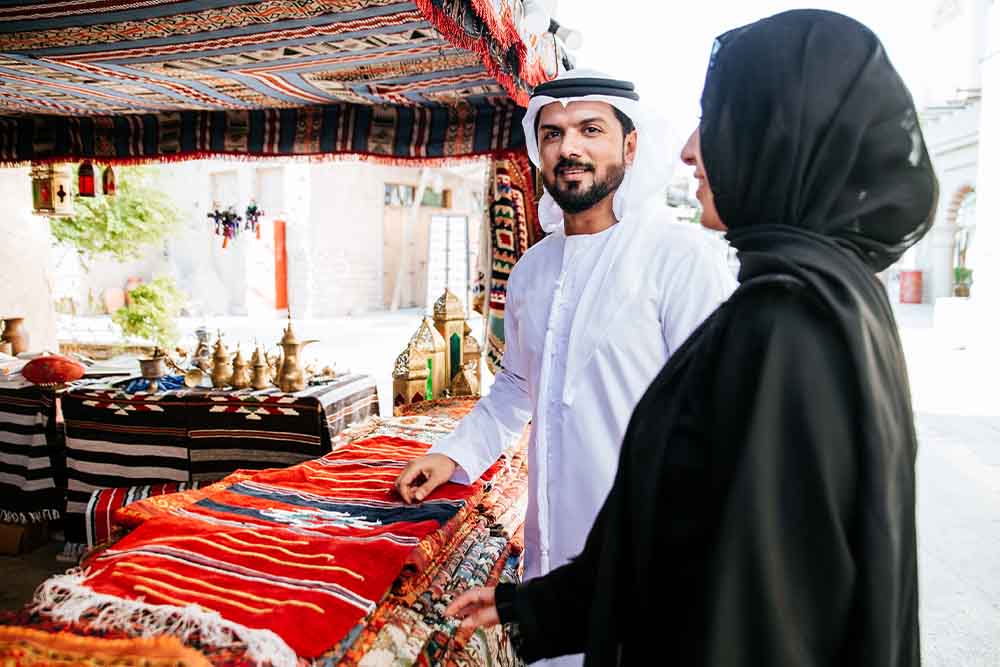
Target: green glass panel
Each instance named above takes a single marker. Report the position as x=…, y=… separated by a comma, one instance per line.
x=430, y=379
x=456, y=354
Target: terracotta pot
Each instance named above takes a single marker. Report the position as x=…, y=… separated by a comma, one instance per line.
x=15, y=334
x=114, y=298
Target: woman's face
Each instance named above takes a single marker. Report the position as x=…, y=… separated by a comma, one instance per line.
x=691, y=155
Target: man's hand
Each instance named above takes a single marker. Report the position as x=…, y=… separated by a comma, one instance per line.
x=478, y=606
x=423, y=475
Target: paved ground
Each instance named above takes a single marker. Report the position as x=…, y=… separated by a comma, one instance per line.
x=958, y=493
x=958, y=419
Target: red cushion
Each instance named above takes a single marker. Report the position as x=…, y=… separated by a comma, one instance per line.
x=52, y=369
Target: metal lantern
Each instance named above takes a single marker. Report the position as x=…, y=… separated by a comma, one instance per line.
x=85, y=179
x=62, y=190
x=108, y=181
x=41, y=189
x=51, y=189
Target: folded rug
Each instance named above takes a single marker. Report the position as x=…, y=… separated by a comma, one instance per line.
x=285, y=562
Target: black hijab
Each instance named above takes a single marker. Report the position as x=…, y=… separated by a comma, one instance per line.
x=818, y=167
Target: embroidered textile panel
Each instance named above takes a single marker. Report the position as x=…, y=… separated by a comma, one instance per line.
x=29, y=491
x=383, y=133
x=114, y=58
x=514, y=227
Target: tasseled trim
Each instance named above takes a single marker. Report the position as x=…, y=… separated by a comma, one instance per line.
x=454, y=33
x=311, y=158
x=67, y=599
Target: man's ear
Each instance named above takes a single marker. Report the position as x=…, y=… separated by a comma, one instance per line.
x=630, y=143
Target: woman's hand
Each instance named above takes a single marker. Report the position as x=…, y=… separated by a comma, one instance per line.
x=477, y=606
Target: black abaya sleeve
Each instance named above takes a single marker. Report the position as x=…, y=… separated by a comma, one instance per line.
x=552, y=612
x=782, y=419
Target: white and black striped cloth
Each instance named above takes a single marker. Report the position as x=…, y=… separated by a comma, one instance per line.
x=116, y=440
x=29, y=460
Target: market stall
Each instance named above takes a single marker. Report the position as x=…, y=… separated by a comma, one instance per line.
x=319, y=561
x=215, y=573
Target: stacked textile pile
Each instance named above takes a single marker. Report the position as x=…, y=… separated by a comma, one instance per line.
x=320, y=561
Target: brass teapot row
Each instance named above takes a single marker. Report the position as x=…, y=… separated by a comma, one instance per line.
x=283, y=370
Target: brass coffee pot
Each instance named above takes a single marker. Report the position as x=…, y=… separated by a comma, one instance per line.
x=261, y=373
x=291, y=376
x=222, y=372
x=241, y=373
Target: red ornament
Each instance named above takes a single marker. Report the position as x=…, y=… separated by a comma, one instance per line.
x=52, y=370
x=108, y=181
x=85, y=179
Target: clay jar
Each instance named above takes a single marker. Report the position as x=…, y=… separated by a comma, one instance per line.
x=15, y=334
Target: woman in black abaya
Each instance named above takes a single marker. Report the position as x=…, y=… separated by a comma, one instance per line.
x=763, y=510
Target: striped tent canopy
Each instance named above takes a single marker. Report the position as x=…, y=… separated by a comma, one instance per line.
x=123, y=81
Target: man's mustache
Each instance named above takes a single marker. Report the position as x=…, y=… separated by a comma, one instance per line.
x=565, y=164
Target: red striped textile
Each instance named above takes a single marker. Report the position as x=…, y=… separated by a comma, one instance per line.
x=304, y=552
x=105, y=502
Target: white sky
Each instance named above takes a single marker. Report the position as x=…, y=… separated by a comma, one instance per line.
x=663, y=45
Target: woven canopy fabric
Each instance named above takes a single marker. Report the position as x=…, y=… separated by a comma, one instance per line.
x=140, y=80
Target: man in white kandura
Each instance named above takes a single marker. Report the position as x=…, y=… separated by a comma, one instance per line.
x=593, y=312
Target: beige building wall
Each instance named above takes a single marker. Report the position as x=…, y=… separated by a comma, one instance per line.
x=356, y=239
x=341, y=260
x=25, y=272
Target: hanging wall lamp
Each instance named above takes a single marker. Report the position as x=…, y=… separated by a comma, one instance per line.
x=85, y=179
x=108, y=181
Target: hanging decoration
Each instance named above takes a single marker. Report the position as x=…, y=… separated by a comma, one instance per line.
x=61, y=190
x=253, y=214
x=108, y=183
x=41, y=188
x=85, y=179
x=227, y=224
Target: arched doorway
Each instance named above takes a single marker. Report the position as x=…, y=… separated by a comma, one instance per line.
x=962, y=219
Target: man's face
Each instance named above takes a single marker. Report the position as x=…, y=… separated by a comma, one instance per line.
x=583, y=153
x=691, y=155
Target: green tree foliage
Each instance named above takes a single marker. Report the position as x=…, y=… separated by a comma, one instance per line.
x=151, y=314
x=137, y=216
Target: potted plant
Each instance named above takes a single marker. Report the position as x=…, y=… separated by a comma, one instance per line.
x=963, y=281
x=151, y=314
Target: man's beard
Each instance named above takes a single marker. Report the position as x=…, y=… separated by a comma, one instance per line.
x=577, y=199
